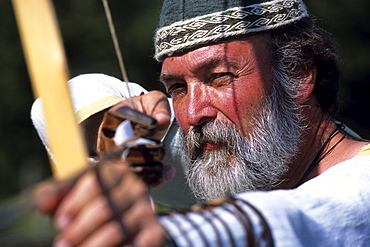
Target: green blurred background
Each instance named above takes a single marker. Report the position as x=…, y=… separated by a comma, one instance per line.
x=23, y=161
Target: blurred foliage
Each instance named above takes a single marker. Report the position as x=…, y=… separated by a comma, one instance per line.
x=23, y=161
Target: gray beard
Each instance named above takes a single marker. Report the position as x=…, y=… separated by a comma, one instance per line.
x=257, y=161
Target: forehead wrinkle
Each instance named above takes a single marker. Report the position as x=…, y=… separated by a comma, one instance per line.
x=209, y=61
x=206, y=64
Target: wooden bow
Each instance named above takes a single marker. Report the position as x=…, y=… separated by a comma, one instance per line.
x=47, y=66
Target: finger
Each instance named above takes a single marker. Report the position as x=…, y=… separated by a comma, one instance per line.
x=109, y=234
x=143, y=225
x=157, y=106
x=86, y=189
x=102, y=209
x=150, y=236
x=129, y=227
x=154, y=104
x=46, y=197
x=83, y=191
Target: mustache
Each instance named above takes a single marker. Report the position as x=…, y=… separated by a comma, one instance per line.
x=215, y=132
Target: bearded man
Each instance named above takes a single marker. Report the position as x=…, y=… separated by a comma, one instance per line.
x=254, y=90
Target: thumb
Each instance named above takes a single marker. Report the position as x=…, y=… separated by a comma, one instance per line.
x=49, y=194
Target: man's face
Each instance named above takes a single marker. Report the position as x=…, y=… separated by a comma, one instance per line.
x=228, y=82
x=224, y=99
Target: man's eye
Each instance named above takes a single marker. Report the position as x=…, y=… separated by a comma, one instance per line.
x=177, y=90
x=222, y=79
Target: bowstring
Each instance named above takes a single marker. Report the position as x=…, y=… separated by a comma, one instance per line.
x=117, y=49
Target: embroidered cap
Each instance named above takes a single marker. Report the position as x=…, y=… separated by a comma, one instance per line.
x=188, y=24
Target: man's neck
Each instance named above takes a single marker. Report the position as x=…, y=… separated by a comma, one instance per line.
x=324, y=146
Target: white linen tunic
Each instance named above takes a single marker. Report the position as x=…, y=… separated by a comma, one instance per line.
x=332, y=209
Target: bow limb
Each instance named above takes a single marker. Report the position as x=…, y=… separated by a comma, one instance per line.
x=47, y=66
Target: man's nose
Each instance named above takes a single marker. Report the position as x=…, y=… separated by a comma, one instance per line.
x=200, y=109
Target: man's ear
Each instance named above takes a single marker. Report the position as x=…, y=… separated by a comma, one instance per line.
x=306, y=86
